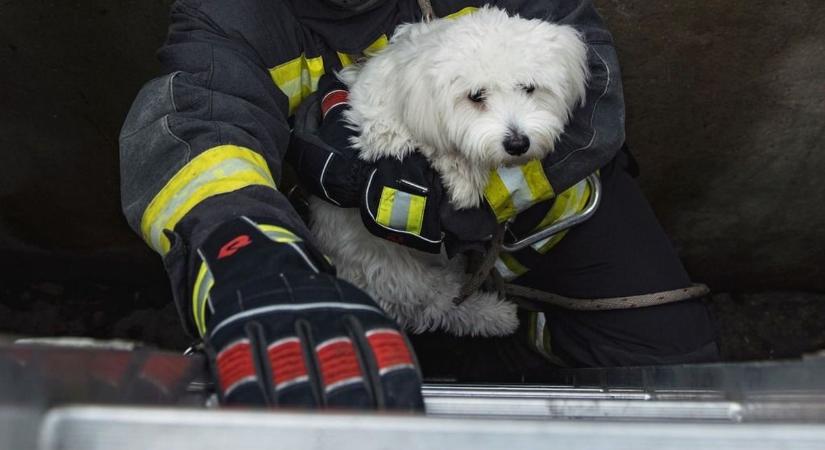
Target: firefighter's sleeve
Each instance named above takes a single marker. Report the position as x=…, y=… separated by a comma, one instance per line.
x=204, y=143
x=596, y=130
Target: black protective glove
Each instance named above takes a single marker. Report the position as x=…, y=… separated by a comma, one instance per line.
x=320, y=150
x=405, y=202
x=281, y=331
x=400, y=200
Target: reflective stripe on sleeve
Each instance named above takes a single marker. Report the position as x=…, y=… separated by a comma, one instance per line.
x=514, y=189
x=376, y=46
x=400, y=210
x=297, y=78
x=462, y=12
x=200, y=296
x=567, y=204
x=216, y=171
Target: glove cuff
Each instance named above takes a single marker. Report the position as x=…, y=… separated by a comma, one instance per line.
x=401, y=205
x=243, y=249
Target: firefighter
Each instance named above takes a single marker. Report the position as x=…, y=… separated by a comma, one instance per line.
x=202, y=152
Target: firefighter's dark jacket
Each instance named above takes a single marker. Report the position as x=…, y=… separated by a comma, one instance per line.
x=205, y=141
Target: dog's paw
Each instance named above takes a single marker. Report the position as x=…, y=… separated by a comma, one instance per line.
x=482, y=314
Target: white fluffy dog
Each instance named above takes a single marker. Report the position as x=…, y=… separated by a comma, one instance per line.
x=471, y=94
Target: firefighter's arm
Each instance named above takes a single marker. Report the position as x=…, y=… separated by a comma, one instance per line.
x=211, y=132
x=201, y=153
x=596, y=130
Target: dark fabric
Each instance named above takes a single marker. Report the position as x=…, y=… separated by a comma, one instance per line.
x=336, y=25
x=321, y=153
x=413, y=176
x=251, y=317
x=621, y=250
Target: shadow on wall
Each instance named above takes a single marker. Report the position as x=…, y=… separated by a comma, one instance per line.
x=69, y=72
x=725, y=113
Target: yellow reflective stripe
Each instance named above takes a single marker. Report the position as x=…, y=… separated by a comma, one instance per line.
x=346, y=59
x=415, y=217
x=401, y=210
x=278, y=234
x=511, y=190
x=384, y=215
x=200, y=292
x=461, y=12
x=216, y=171
x=204, y=280
x=298, y=78
x=499, y=198
x=376, y=46
x=508, y=267
x=537, y=182
x=569, y=202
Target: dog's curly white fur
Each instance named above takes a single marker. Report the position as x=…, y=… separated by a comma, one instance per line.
x=456, y=91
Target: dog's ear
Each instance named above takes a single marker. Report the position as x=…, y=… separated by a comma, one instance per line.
x=564, y=52
x=376, y=106
x=425, y=101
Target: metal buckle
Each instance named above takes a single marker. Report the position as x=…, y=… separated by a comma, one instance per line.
x=561, y=225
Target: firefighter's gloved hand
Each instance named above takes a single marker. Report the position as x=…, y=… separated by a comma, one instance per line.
x=320, y=149
x=405, y=202
x=402, y=201
x=467, y=230
x=282, y=331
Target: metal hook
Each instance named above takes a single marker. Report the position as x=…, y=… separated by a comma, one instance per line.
x=561, y=225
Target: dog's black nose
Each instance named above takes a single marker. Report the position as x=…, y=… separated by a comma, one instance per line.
x=516, y=144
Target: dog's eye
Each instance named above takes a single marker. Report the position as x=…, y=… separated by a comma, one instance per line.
x=529, y=88
x=477, y=96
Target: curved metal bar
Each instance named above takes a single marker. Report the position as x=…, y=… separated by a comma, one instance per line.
x=561, y=225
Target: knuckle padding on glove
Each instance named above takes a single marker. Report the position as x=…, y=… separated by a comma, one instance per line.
x=301, y=338
x=342, y=376
x=238, y=379
x=343, y=365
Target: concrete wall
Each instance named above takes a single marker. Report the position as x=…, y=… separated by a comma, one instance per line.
x=726, y=114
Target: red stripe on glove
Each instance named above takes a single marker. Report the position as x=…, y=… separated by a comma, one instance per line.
x=287, y=362
x=333, y=99
x=390, y=350
x=338, y=363
x=235, y=365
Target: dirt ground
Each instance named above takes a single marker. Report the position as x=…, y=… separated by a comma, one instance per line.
x=751, y=326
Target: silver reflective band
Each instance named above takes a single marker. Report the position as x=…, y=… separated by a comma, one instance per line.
x=285, y=308
x=516, y=184
x=400, y=211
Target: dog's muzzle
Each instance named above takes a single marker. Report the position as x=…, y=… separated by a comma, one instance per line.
x=516, y=143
